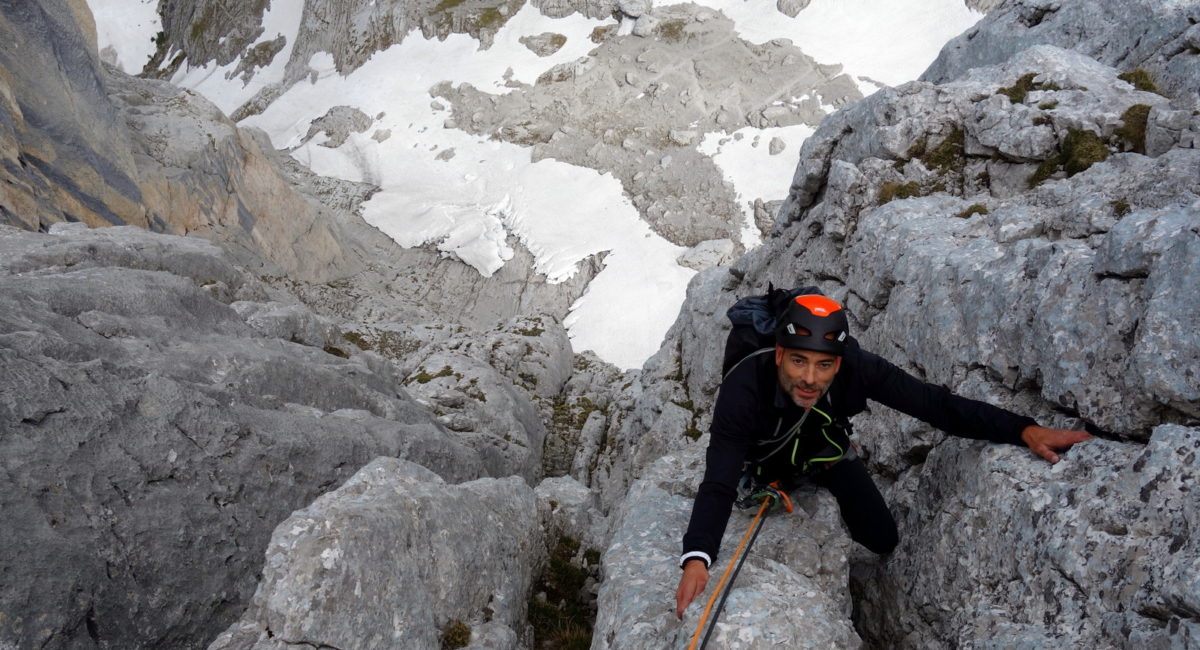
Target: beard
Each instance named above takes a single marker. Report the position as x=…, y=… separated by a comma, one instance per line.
x=791, y=387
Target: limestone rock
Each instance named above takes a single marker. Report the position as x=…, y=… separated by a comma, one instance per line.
x=381, y=561
x=544, y=44
x=1092, y=552
x=141, y=406
x=567, y=507
x=484, y=411
x=707, y=254
x=791, y=8
x=635, y=8
x=1148, y=34
x=99, y=146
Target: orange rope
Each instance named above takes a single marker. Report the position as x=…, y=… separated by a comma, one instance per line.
x=732, y=561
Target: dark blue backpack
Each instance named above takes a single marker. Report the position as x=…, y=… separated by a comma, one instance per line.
x=754, y=320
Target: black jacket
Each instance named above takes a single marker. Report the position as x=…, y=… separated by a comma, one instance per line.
x=751, y=407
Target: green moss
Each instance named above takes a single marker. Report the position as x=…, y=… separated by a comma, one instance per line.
x=892, y=190
x=423, y=377
x=337, y=352
x=357, y=339
x=592, y=557
x=975, y=209
x=1082, y=149
x=1141, y=80
x=563, y=621
x=671, y=30
x=1133, y=127
x=1042, y=120
x=1079, y=150
x=949, y=155
x=1019, y=90
x=1048, y=106
x=490, y=18
x=446, y=5
x=1044, y=171
x=602, y=33
x=1120, y=208
x=917, y=149
x=532, y=331
x=456, y=635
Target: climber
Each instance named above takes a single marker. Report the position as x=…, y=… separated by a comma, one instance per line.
x=786, y=417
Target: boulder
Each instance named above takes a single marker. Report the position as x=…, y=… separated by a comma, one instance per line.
x=383, y=562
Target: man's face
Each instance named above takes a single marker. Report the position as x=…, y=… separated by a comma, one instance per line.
x=805, y=375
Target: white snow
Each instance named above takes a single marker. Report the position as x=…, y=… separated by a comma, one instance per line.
x=747, y=163
x=471, y=203
x=127, y=27
x=891, y=41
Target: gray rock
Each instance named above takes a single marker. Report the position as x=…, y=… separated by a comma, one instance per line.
x=777, y=146
x=707, y=254
x=1092, y=552
x=544, y=44
x=152, y=438
x=1148, y=34
x=337, y=124
x=484, y=411
x=645, y=24
x=289, y=322
x=567, y=507
x=635, y=8
x=791, y=8
x=380, y=562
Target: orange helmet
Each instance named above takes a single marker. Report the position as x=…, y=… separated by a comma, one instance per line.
x=813, y=322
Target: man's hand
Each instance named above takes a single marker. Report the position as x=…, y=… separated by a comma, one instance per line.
x=695, y=577
x=1044, y=442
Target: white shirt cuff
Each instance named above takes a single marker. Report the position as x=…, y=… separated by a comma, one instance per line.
x=700, y=554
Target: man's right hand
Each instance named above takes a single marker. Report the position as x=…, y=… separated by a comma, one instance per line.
x=695, y=577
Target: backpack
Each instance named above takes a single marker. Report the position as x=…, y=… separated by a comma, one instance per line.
x=754, y=320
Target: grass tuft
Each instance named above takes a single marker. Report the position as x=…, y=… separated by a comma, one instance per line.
x=1141, y=80
x=1133, y=127
x=892, y=190
x=973, y=210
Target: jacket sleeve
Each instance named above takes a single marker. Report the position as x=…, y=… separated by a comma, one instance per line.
x=733, y=416
x=885, y=383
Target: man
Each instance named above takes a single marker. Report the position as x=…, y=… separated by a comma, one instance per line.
x=786, y=416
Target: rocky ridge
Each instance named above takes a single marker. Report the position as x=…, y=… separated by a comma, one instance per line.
x=178, y=382
x=1029, y=190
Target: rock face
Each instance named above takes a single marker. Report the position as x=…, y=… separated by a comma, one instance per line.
x=379, y=563
x=1097, y=551
x=1155, y=36
x=1010, y=235
x=108, y=149
x=148, y=380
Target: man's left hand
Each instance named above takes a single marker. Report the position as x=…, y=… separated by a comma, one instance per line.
x=1045, y=442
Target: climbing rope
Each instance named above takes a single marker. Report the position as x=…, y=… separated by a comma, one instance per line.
x=770, y=495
